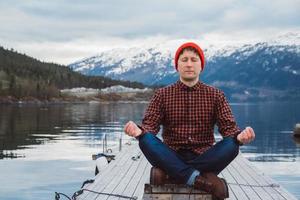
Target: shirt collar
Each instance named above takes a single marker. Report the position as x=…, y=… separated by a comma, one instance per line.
x=197, y=86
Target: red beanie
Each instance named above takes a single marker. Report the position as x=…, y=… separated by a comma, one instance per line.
x=195, y=46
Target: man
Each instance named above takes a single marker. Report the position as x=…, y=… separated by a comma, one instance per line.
x=188, y=111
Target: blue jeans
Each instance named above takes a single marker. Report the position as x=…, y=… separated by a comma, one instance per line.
x=183, y=164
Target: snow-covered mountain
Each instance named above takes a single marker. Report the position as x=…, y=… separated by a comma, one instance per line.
x=243, y=70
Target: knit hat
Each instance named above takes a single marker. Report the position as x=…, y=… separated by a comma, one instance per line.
x=195, y=46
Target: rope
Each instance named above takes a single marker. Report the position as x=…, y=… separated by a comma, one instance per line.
x=103, y=193
x=135, y=158
x=273, y=185
x=57, y=195
x=76, y=194
x=87, y=182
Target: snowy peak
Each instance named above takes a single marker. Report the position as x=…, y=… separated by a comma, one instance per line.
x=290, y=38
x=261, y=62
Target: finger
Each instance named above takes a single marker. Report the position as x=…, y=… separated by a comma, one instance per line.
x=129, y=129
x=251, y=134
x=248, y=134
x=247, y=130
x=132, y=129
x=243, y=133
x=125, y=128
x=250, y=129
x=243, y=140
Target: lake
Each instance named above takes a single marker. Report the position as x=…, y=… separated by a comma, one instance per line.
x=48, y=148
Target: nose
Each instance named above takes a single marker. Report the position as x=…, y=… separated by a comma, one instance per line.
x=189, y=63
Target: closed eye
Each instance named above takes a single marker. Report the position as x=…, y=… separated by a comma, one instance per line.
x=193, y=59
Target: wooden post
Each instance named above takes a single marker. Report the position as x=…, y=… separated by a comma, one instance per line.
x=174, y=192
x=120, y=144
x=297, y=130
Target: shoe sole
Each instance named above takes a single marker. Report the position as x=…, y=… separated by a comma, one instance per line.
x=226, y=186
x=157, y=177
x=227, y=191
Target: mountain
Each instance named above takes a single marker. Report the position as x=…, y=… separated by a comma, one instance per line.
x=265, y=70
x=22, y=76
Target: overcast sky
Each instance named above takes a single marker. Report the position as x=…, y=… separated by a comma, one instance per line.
x=63, y=31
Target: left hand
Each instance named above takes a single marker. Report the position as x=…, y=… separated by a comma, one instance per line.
x=246, y=136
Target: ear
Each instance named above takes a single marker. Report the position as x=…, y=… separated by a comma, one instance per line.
x=201, y=68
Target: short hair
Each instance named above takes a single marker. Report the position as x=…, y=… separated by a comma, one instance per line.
x=189, y=48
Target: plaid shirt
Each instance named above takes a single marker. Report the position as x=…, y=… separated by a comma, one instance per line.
x=188, y=116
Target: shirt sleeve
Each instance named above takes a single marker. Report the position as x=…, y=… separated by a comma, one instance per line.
x=153, y=115
x=225, y=120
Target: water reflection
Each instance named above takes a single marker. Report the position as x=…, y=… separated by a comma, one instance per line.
x=272, y=157
x=22, y=126
x=56, y=142
x=273, y=124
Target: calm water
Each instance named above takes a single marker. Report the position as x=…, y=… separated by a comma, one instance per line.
x=48, y=148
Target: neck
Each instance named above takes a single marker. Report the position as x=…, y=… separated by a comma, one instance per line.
x=189, y=83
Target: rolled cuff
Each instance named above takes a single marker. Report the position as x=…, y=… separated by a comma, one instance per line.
x=192, y=178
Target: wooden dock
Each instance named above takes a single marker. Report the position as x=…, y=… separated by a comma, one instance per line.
x=126, y=176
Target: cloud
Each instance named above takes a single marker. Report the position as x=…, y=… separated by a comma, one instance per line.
x=61, y=24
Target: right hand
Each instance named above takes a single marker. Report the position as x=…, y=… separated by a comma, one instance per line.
x=132, y=129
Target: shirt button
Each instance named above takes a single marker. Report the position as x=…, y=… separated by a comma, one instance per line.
x=190, y=138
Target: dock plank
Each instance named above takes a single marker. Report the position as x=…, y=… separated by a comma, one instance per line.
x=105, y=177
x=137, y=179
x=119, y=175
x=280, y=192
x=139, y=191
x=120, y=188
x=243, y=183
x=237, y=190
x=231, y=193
x=126, y=176
x=253, y=178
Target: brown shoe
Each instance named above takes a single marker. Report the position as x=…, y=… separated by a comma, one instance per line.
x=211, y=183
x=157, y=176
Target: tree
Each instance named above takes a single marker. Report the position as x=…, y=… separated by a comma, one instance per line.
x=12, y=82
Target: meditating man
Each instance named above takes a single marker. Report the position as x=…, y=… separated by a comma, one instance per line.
x=188, y=111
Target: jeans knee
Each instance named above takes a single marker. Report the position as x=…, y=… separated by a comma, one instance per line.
x=232, y=147
x=146, y=139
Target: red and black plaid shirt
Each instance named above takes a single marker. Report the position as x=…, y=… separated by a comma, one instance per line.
x=188, y=116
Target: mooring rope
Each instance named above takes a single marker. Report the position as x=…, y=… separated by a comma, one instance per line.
x=76, y=194
x=103, y=193
x=273, y=185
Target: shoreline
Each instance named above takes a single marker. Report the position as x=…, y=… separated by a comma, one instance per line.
x=73, y=100
x=9, y=100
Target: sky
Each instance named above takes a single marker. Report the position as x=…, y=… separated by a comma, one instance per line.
x=64, y=31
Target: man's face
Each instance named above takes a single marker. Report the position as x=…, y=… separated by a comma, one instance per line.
x=189, y=66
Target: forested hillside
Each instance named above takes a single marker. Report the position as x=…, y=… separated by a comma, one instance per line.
x=23, y=76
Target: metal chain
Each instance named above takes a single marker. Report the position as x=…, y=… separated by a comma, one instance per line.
x=269, y=185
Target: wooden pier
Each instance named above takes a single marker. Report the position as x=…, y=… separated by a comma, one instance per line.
x=126, y=176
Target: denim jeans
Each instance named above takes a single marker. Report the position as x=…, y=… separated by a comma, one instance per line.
x=183, y=164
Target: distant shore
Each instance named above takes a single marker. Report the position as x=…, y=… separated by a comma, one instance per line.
x=100, y=98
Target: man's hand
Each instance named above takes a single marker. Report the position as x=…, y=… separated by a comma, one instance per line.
x=246, y=136
x=132, y=129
